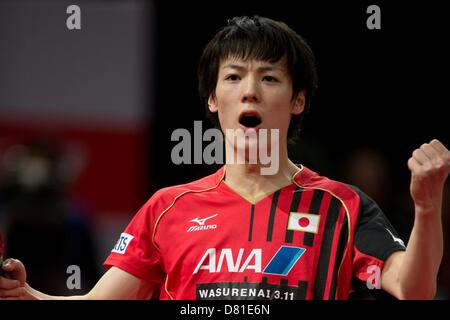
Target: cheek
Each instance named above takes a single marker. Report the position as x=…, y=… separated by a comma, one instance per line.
x=223, y=111
x=281, y=112
x=226, y=101
x=227, y=95
x=280, y=103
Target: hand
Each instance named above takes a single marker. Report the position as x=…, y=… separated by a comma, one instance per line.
x=15, y=287
x=430, y=167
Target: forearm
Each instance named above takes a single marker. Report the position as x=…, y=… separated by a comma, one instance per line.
x=42, y=296
x=115, y=284
x=420, y=265
x=412, y=274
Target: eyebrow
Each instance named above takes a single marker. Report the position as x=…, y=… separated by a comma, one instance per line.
x=259, y=69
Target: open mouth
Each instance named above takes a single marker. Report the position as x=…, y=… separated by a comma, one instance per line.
x=250, y=120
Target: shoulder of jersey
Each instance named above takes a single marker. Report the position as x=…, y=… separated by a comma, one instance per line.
x=309, y=179
x=167, y=195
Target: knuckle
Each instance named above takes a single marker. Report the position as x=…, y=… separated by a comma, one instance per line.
x=439, y=164
x=417, y=171
x=435, y=141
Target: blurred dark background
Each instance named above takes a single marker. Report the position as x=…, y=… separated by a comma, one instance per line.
x=99, y=105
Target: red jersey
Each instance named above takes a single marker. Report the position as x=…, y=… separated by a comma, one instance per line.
x=313, y=239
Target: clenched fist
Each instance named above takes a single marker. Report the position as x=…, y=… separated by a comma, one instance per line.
x=14, y=287
x=430, y=167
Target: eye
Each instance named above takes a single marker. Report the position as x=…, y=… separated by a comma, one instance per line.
x=269, y=79
x=232, y=77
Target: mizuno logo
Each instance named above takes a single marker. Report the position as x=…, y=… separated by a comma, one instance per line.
x=201, y=224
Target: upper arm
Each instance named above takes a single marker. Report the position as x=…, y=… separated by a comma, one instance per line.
x=376, y=244
x=117, y=284
x=390, y=274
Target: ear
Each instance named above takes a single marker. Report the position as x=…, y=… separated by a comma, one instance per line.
x=299, y=103
x=212, y=103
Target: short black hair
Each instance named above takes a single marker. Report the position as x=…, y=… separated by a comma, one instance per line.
x=263, y=39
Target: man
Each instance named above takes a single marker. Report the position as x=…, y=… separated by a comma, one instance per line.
x=240, y=234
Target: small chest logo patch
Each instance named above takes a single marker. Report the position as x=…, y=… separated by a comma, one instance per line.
x=201, y=224
x=122, y=244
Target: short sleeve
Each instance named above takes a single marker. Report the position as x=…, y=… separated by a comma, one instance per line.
x=375, y=239
x=134, y=251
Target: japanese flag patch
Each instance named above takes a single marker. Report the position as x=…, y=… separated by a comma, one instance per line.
x=305, y=222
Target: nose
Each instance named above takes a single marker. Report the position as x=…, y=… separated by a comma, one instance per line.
x=250, y=91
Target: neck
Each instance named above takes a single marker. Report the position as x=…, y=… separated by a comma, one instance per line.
x=247, y=180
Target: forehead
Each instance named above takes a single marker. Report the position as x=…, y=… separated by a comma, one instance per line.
x=239, y=63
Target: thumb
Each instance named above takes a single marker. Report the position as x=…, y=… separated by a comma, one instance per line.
x=15, y=269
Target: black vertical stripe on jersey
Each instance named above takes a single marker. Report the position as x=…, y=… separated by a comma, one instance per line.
x=314, y=208
x=273, y=210
x=284, y=282
x=343, y=237
x=302, y=289
x=293, y=208
x=325, y=249
x=250, y=230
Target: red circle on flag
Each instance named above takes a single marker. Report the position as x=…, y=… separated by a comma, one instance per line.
x=303, y=222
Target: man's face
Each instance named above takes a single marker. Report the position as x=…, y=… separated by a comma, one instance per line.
x=254, y=95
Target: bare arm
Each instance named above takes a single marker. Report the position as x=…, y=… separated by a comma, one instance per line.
x=115, y=284
x=412, y=274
